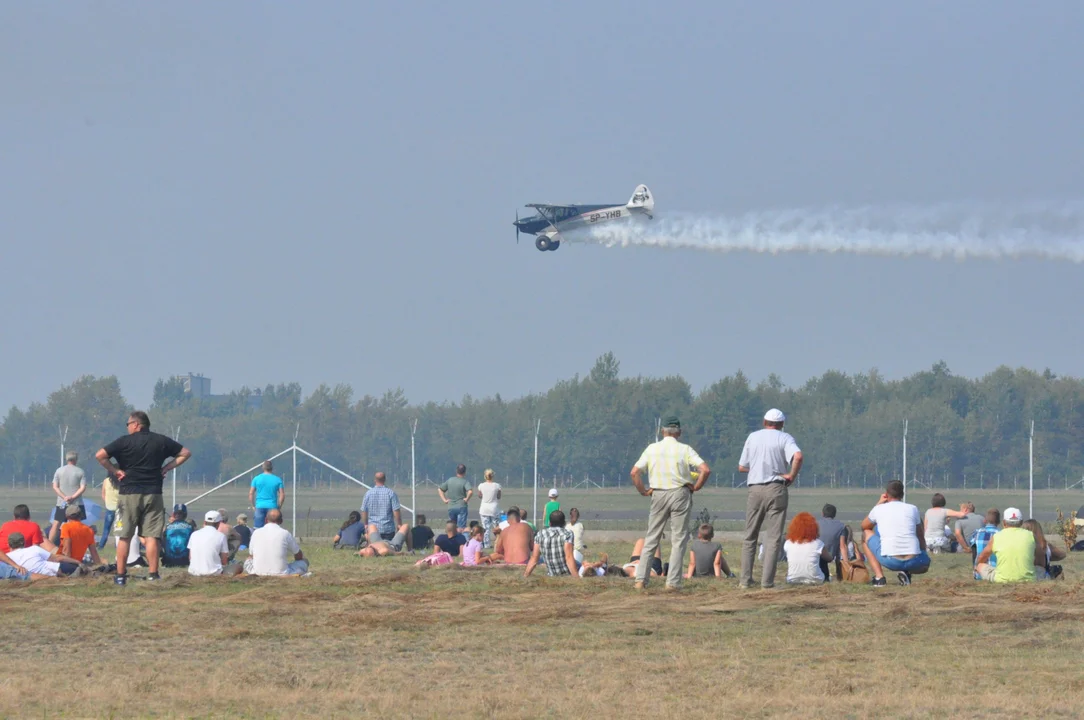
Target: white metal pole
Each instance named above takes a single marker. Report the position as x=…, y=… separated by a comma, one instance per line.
x=293, y=500
x=535, y=513
x=658, y=428
x=413, y=476
x=1031, y=471
x=176, y=437
x=904, y=473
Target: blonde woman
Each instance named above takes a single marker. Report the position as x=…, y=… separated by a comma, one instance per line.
x=490, y=493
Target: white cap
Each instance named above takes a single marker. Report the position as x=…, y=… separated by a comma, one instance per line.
x=775, y=415
x=212, y=516
x=553, y=492
x=1012, y=515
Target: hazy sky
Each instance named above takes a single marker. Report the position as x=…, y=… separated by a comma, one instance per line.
x=324, y=192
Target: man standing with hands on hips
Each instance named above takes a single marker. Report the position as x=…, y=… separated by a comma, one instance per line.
x=669, y=466
x=772, y=458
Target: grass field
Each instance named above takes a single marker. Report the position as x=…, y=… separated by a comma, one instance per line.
x=382, y=638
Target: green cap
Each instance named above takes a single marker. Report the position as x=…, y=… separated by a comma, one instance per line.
x=671, y=421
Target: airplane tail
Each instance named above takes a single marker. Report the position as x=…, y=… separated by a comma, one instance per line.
x=642, y=199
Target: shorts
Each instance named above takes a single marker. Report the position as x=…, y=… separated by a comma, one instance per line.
x=986, y=572
x=145, y=512
x=656, y=563
x=918, y=562
x=395, y=541
x=60, y=514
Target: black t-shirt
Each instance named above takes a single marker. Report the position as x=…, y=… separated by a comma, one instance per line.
x=421, y=536
x=450, y=545
x=141, y=457
x=245, y=532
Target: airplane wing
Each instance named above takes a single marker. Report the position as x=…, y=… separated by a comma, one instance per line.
x=547, y=206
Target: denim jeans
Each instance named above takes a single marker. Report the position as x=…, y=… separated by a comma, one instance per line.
x=489, y=522
x=110, y=516
x=458, y=516
x=259, y=517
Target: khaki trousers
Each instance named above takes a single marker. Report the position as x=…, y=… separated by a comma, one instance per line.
x=765, y=509
x=675, y=506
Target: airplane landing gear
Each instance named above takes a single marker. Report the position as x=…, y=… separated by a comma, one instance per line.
x=542, y=243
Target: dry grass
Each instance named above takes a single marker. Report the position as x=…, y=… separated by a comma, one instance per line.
x=383, y=638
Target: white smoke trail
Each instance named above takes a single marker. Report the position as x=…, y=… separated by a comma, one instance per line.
x=1051, y=231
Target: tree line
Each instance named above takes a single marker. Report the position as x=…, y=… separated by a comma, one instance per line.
x=850, y=426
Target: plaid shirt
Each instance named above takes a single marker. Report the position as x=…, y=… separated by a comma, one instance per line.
x=983, y=536
x=380, y=503
x=551, y=547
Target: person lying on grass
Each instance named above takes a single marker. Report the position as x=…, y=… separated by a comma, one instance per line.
x=39, y=561
x=553, y=545
x=706, y=556
x=379, y=547
x=629, y=568
x=602, y=568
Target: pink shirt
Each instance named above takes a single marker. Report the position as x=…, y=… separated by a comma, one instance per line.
x=470, y=552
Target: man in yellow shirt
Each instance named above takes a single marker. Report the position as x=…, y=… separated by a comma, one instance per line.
x=669, y=465
x=1014, y=548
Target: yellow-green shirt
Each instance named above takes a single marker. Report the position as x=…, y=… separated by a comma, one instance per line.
x=669, y=464
x=1015, y=551
x=112, y=495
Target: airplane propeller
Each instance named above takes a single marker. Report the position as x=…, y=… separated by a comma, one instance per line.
x=517, y=227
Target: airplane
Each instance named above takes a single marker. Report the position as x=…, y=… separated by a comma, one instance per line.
x=553, y=220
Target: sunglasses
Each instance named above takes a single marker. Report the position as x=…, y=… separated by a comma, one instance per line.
x=130, y=423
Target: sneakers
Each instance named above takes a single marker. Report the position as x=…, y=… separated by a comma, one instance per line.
x=121, y=580
x=878, y=582
x=743, y=586
x=638, y=585
x=154, y=577
x=903, y=577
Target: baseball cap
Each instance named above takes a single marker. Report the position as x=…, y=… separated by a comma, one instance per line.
x=180, y=509
x=72, y=510
x=1012, y=515
x=553, y=492
x=775, y=415
x=212, y=516
x=671, y=421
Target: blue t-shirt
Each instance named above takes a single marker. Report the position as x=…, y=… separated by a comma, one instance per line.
x=175, y=548
x=267, y=491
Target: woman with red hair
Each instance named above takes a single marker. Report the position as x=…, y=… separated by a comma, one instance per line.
x=805, y=551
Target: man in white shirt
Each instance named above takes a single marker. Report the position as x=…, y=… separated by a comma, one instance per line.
x=208, y=549
x=669, y=465
x=772, y=459
x=38, y=561
x=270, y=550
x=894, y=538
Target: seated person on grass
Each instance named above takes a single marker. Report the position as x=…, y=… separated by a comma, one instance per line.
x=472, y=551
x=243, y=530
x=982, y=538
x=965, y=529
x=807, y=558
x=209, y=551
x=935, y=524
x=1014, y=548
x=11, y=570
x=271, y=549
x=706, y=556
x=378, y=547
x=77, y=538
x=39, y=561
x=1045, y=553
x=351, y=532
x=451, y=541
x=515, y=542
x=553, y=547
x=21, y=523
x=175, y=538
x=893, y=538
x=421, y=535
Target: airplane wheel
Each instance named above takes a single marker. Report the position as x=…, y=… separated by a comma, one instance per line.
x=554, y=244
x=542, y=243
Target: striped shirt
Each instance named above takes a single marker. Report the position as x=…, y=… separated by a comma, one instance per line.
x=983, y=536
x=380, y=502
x=669, y=464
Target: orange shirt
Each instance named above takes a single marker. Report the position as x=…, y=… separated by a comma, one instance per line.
x=82, y=537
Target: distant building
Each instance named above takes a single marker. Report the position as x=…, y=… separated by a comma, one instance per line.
x=198, y=387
